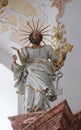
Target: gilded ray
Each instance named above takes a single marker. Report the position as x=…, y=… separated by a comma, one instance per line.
x=37, y=24
x=41, y=25
x=25, y=31
x=26, y=28
x=24, y=38
x=33, y=24
x=44, y=28
x=47, y=35
x=43, y=32
x=43, y=42
x=30, y=26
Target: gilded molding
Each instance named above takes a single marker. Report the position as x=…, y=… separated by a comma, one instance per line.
x=60, y=4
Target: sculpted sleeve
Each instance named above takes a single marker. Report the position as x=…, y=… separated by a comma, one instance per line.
x=51, y=54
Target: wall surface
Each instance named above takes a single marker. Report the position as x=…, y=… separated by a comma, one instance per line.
x=8, y=99
x=71, y=80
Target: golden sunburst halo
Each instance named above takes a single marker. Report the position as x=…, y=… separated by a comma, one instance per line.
x=35, y=25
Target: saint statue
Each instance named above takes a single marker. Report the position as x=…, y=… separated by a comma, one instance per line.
x=34, y=79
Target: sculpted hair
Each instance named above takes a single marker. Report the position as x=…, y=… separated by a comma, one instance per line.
x=35, y=37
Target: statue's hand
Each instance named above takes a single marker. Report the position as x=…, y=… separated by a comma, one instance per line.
x=14, y=58
x=50, y=94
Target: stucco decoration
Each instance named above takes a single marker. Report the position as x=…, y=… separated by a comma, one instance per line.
x=11, y=13
x=24, y=7
x=60, y=4
x=12, y=19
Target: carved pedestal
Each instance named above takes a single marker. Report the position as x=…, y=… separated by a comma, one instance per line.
x=59, y=117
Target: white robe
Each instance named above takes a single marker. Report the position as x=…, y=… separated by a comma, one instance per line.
x=40, y=69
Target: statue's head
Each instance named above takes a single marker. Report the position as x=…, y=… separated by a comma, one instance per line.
x=35, y=37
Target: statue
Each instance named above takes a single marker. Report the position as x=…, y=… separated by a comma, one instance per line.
x=34, y=78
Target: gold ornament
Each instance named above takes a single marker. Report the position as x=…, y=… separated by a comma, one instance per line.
x=59, y=43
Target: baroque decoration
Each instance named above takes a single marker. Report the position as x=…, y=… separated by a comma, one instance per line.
x=59, y=42
x=60, y=4
x=59, y=117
